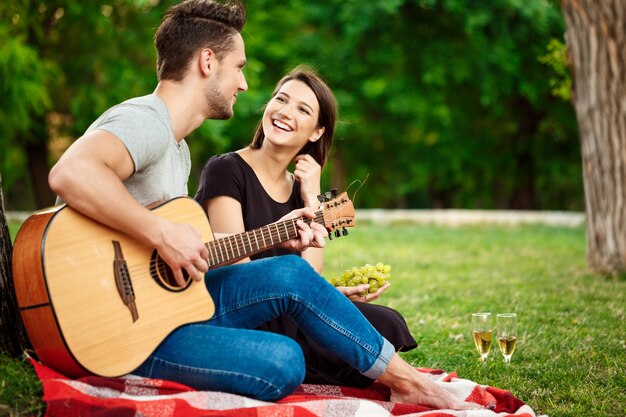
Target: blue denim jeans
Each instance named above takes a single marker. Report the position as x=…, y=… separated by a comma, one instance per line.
x=226, y=354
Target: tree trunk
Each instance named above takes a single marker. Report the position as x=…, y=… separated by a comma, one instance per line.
x=338, y=171
x=37, y=158
x=596, y=39
x=13, y=339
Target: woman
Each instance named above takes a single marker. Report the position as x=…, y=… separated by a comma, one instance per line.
x=253, y=187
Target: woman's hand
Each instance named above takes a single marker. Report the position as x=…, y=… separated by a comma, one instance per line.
x=353, y=292
x=309, y=235
x=308, y=173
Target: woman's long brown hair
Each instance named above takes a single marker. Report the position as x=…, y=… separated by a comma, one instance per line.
x=319, y=149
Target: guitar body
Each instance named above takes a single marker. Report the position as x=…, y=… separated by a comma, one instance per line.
x=71, y=305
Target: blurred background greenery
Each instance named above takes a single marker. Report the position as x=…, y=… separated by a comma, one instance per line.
x=443, y=103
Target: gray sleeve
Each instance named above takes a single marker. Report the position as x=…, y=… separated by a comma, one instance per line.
x=140, y=129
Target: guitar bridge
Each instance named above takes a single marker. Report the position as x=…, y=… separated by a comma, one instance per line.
x=123, y=282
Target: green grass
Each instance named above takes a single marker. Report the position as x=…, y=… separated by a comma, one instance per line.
x=571, y=355
x=20, y=390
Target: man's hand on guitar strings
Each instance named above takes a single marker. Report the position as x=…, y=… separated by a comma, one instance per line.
x=182, y=249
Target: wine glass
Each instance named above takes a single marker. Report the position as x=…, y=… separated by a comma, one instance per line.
x=482, y=330
x=507, y=334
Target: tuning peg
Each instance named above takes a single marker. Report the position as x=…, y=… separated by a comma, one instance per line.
x=327, y=195
x=337, y=233
x=333, y=192
x=321, y=198
x=344, y=232
x=330, y=236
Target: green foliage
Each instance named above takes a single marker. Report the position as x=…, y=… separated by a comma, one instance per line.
x=76, y=60
x=20, y=390
x=25, y=94
x=556, y=58
x=444, y=103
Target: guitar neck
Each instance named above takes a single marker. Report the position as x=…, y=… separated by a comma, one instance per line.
x=235, y=247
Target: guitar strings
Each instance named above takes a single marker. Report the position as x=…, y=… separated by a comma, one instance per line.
x=235, y=242
x=276, y=234
x=225, y=249
x=138, y=270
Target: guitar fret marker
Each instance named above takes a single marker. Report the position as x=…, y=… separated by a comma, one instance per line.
x=230, y=243
x=243, y=245
x=219, y=245
x=256, y=240
x=286, y=231
x=249, y=242
x=215, y=257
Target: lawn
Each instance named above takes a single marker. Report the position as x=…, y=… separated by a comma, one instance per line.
x=571, y=354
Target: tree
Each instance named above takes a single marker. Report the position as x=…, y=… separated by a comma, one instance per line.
x=596, y=39
x=13, y=339
x=61, y=64
x=442, y=103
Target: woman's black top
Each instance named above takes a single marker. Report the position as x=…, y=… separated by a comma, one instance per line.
x=229, y=175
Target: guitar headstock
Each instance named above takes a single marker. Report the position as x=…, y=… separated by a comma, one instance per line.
x=337, y=212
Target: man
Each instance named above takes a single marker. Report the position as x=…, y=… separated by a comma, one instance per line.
x=135, y=155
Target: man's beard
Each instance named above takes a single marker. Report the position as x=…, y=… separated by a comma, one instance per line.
x=218, y=107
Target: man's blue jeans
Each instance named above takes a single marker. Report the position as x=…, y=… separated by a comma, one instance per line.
x=226, y=354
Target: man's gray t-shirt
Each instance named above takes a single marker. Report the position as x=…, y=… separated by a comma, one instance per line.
x=162, y=165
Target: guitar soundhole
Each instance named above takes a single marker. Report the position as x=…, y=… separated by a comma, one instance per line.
x=163, y=275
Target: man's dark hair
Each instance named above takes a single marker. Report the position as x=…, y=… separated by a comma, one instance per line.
x=193, y=25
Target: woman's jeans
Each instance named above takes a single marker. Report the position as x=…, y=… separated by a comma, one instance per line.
x=226, y=354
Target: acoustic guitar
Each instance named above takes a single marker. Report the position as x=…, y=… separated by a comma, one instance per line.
x=96, y=301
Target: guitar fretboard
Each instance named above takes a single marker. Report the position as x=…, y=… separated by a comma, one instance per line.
x=235, y=247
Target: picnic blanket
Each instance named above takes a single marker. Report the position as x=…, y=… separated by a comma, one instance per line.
x=132, y=396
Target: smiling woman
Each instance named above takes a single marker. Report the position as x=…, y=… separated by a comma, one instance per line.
x=252, y=187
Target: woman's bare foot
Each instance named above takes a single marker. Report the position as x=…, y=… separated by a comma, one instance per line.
x=409, y=386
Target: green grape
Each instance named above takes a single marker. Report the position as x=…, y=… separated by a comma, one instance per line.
x=376, y=276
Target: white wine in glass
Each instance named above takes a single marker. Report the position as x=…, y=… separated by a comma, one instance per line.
x=507, y=334
x=482, y=330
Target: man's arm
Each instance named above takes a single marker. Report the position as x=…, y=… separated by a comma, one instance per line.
x=89, y=178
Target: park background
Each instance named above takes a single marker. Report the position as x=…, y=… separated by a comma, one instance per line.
x=444, y=104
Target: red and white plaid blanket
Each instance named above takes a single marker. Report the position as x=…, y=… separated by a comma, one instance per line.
x=141, y=397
